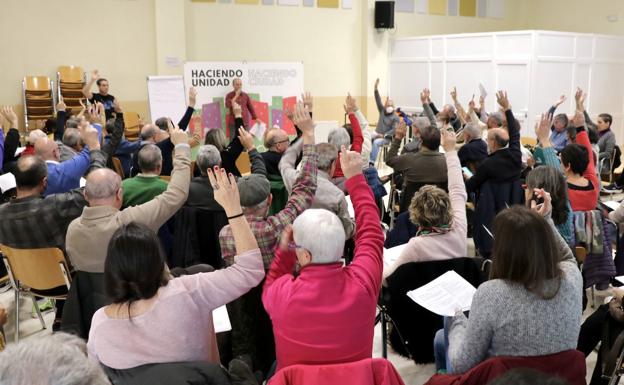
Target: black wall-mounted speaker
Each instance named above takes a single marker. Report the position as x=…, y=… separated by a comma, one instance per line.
x=384, y=14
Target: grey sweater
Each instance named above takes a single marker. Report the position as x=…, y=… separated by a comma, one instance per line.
x=387, y=122
x=508, y=320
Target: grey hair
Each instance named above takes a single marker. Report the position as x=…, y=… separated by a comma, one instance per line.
x=71, y=137
x=150, y=158
x=421, y=122
x=216, y=137
x=339, y=137
x=498, y=118
x=259, y=209
x=34, y=135
x=208, y=156
x=321, y=233
x=104, y=186
x=162, y=123
x=450, y=107
x=149, y=131
x=327, y=154
x=72, y=122
x=473, y=130
x=55, y=359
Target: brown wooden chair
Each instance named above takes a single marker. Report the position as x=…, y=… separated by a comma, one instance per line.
x=118, y=167
x=37, y=83
x=33, y=272
x=243, y=163
x=70, y=74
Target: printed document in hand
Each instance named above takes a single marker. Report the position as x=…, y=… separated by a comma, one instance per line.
x=7, y=182
x=392, y=254
x=445, y=294
x=221, y=320
x=258, y=130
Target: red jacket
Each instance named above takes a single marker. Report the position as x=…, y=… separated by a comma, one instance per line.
x=586, y=200
x=371, y=371
x=358, y=140
x=326, y=315
x=569, y=365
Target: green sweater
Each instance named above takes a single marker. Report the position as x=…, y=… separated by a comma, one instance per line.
x=141, y=189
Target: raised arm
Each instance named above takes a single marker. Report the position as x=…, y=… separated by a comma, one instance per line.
x=222, y=286
x=61, y=118
x=190, y=109
x=110, y=147
x=461, y=113
x=157, y=211
x=368, y=254
x=358, y=139
x=304, y=187
x=11, y=142
x=282, y=265
x=425, y=99
x=380, y=105
x=512, y=126
x=287, y=164
x=542, y=131
x=393, y=159
x=86, y=90
x=257, y=163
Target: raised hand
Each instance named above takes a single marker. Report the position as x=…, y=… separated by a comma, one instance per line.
x=237, y=109
x=289, y=113
x=308, y=101
x=545, y=208
x=423, y=96
x=225, y=191
x=350, y=105
x=303, y=120
x=503, y=101
x=579, y=97
x=61, y=106
x=449, y=140
x=246, y=139
x=192, y=97
x=117, y=106
x=401, y=130
x=454, y=94
x=376, y=84
x=579, y=119
x=471, y=103
x=178, y=136
x=89, y=135
x=542, y=130
x=95, y=75
x=9, y=114
x=481, y=101
x=351, y=162
x=560, y=101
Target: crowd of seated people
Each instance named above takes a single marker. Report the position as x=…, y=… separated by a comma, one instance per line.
x=297, y=294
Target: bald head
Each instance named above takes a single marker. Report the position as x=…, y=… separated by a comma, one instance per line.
x=149, y=132
x=103, y=188
x=497, y=138
x=34, y=135
x=47, y=149
x=276, y=139
x=30, y=172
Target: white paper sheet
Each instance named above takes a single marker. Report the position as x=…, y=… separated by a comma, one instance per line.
x=19, y=150
x=620, y=279
x=221, y=320
x=445, y=294
x=350, y=208
x=258, y=130
x=392, y=254
x=482, y=91
x=7, y=182
x=613, y=205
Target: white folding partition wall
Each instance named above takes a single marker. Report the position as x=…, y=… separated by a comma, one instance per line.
x=534, y=67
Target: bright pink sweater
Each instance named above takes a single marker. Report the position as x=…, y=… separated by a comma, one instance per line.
x=326, y=315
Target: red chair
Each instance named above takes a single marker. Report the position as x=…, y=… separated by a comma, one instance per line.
x=568, y=365
x=371, y=371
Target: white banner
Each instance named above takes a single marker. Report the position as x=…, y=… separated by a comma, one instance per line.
x=271, y=86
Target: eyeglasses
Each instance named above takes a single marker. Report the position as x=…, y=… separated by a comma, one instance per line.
x=282, y=141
